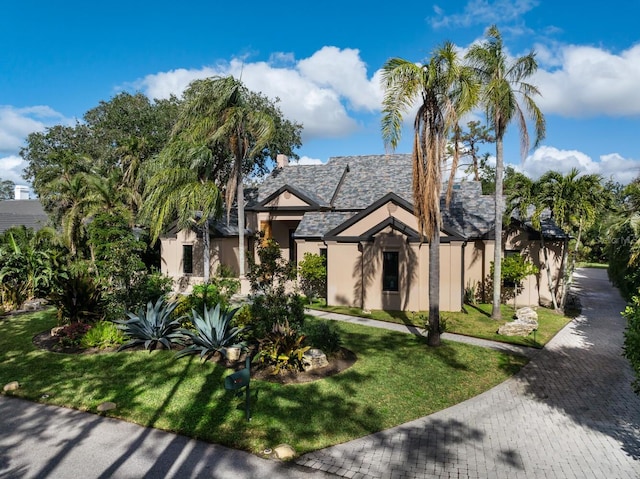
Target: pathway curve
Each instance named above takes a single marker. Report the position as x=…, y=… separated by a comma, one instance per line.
x=570, y=413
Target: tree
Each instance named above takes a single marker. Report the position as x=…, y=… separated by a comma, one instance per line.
x=236, y=127
x=223, y=132
x=503, y=84
x=528, y=197
x=7, y=188
x=116, y=137
x=573, y=201
x=471, y=141
x=445, y=90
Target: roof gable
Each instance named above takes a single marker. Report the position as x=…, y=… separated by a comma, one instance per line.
x=284, y=198
x=390, y=211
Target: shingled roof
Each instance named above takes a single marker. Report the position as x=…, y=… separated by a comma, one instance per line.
x=27, y=213
x=346, y=185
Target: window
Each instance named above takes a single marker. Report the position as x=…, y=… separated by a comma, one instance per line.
x=390, y=271
x=293, y=257
x=187, y=259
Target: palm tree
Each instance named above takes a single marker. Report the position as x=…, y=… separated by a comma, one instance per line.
x=572, y=200
x=503, y=84
x=180, y=190
x=217, y=133
x=530, y=199
x=445, y=90
x=221, y=115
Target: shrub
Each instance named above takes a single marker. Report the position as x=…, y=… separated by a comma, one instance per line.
x=71, y=334
x=283, y=349
x=217, y=291
x=324, y=336
x=152, y=326
x=267, y=311
x=631, y=346
x=214, y=333
x=313, y=276
x=103, y=334
x=78, y=298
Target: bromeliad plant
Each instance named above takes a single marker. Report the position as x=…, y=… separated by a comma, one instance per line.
x=283, y=348
x=152, y=326
x=213, y=333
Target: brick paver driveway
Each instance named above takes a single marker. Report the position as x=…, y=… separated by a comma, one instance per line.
x=570, y=413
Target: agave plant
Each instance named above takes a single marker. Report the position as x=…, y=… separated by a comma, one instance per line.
x=214, y=332
x=152, y=326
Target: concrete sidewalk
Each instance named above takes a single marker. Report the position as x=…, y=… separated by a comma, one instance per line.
x=408, y=328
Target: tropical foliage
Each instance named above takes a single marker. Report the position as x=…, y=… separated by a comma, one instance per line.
x=29, y=265
x=283, y=348
x=213, y=333
x=273, y=298
x=152, y=326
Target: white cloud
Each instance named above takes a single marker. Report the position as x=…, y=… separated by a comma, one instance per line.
x=590, y=81
x=11, y=169
x=314, y=91
x=482, y=12
x=17, y=123
x=614, y=166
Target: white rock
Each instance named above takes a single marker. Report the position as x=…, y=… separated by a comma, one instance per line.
x=12, y=386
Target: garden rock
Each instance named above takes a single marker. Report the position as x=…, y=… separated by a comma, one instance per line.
x=12, y=386
x=56, y=331
x=284, y=451
x=527, y=315
x=516, y=328
x=106, y=406
x=314, y=359
x=525, y=323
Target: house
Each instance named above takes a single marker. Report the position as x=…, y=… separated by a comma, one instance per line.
x=22, y=211
x=357, y=211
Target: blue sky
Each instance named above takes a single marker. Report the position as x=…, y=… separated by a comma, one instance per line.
x=60, y=59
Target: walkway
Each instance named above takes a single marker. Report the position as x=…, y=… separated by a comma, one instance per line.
x=570, y=413
x=407, y=328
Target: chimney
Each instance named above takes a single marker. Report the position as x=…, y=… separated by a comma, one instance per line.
x=21, y=192
x=282, y=160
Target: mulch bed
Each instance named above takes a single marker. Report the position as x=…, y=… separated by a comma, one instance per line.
x=338, y=362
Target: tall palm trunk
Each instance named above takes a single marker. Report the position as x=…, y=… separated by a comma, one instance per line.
x=497, y=255
x=547, y=267
x=240, y=202
x=571, y=267
x=206, y=253
x=433, y=338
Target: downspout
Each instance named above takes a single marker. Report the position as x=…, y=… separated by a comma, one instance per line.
x=361, y=249
x=462, y=291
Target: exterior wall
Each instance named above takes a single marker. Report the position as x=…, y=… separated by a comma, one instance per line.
x=478, y=257
x=354, y=274
x=224, y=251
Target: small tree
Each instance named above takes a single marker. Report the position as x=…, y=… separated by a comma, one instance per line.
x=515, y=269
x=274, y=299
x=313, y=276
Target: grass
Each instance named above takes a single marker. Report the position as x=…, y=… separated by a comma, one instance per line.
x=473, y=321
x=397, y=378
x=584, y=264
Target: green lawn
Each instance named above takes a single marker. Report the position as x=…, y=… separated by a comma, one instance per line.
x=397, y=378
x=473, y=321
